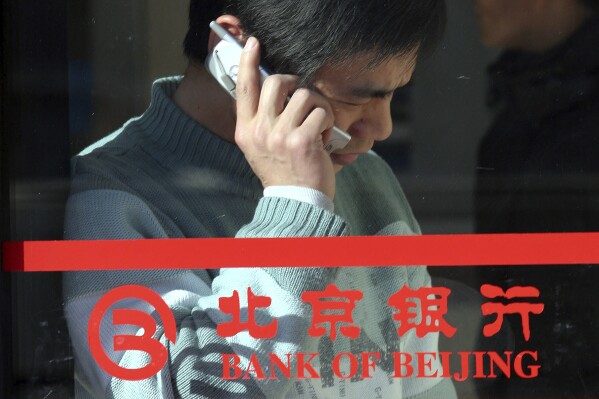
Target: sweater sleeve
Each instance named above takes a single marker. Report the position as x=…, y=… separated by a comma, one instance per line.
x=195, y=366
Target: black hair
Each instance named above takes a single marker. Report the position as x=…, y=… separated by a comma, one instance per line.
x=301, y=36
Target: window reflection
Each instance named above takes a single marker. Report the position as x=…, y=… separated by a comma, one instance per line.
x=79, y=69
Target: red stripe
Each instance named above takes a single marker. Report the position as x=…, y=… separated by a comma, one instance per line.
x=432, y=250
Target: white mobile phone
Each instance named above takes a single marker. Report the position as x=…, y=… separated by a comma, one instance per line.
x=223, y=64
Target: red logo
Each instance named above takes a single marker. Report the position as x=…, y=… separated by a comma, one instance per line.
x=146, y=342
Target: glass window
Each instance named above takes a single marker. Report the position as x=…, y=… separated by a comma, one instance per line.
x=485, y=140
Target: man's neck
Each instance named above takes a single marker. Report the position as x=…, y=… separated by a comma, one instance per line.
x=201, y=97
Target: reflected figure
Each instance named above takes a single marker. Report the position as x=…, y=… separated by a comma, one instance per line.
x=538, y=164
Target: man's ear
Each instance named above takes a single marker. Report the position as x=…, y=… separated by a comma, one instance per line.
x=233, y=25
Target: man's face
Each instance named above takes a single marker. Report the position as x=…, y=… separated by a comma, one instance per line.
x=361, y=98
x=505, y=23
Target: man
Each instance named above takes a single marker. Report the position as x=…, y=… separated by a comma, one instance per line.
x=538, y=164
x=198, y=164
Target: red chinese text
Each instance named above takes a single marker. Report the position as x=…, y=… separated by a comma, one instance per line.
x=522, y=308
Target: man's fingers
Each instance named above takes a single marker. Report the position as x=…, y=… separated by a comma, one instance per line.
x=319, y=120
x=248, y=81
x=275, y=92
x=302, y=103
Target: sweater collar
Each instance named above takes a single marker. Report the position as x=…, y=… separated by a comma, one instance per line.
x=179, y=140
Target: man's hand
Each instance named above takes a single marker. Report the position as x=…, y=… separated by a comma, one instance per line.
x=283, y=142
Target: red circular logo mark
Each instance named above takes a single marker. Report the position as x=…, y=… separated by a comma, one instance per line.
x=145, y=342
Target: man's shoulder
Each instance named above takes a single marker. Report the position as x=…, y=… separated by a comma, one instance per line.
x=127, y=134
x=108, y=142
x=104, y=154
x=139, y=131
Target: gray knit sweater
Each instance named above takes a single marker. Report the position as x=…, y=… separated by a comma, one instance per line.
x=164, y=176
